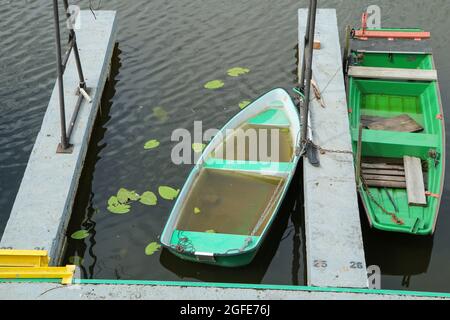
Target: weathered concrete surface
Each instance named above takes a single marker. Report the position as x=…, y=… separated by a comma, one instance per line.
x=36, y=291
x=44, y=202
x=334, y=246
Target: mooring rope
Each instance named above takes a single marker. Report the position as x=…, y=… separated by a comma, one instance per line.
x=396, y=219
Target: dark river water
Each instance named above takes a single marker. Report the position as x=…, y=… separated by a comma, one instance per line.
x=166, y=52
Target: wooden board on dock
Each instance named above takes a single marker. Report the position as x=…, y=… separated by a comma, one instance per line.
x=414, y=181
x=403, y=123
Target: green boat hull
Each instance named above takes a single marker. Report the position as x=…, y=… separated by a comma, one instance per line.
x=232, y=196
x=388, y=208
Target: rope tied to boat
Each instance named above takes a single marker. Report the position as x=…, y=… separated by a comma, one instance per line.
x=396, y=219
x=184, y=244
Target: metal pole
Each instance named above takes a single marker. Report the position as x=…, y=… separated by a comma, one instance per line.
x=305, y=44
x=64, y=142
x=308, y=69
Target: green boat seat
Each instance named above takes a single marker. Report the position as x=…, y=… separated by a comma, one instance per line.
x=389, y=144
x=211, y=242
x=251, y=166
x=271, y=117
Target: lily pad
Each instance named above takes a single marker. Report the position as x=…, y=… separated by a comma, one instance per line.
x=236, y=72
x=151, y=144
x=168, y=193
x=160, y=114
x=113, y=201
x=76, y=260
x=215, y=84
x=124, y=195
x=197, y=210
x=149, y=198
x=210, y=231
x=152, y=248
x=244, y=104
x=198, y=147
x=119, y=209
x=80, y=235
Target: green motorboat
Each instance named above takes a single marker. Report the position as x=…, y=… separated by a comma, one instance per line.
x=397, y=127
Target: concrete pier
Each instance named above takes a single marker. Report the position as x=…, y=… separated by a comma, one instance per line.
x=334, y=246
x=44, y=202
x=151, y=291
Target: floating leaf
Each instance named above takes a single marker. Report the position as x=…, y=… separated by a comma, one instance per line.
x=197, y=210
x=236, y=72
x=152, y=248
x=151, y=144
x=210, y=231
x=133, y=196
x=168, y=193
x=113, y=201
x=148, y=198
x=80, y=235
x=198, y=147
x=244, y=104
x=215, y=84
x=76, y=260
x=119, y=209
x=160, y=114
x=122, y=195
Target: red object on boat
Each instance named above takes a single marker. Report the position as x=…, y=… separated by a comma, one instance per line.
x=365, y=34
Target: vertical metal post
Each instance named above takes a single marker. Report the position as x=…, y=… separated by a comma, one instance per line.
x=64, y=141
x=305, y=45
x=308, y=57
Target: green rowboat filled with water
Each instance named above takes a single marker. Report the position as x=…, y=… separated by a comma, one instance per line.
x=228, y=203
x=397, y=128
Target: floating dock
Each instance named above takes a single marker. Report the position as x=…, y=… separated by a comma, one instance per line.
x=334, y=245
x=43, y=205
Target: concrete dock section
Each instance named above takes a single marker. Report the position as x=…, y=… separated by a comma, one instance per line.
x=44, y=202
x=334, y=246
x=95, y=290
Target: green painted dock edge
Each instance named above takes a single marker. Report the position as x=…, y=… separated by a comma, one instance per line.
x=237, y=286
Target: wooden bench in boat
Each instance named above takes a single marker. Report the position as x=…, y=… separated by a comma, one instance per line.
x=401, y=123
x=414, y=181
x=392, y=73
x=383, y=174
x=399, y=174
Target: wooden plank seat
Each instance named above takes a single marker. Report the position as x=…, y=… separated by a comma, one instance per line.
x=401, y=123
x=391, y=173
x=414, y=181
x=392, y=73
